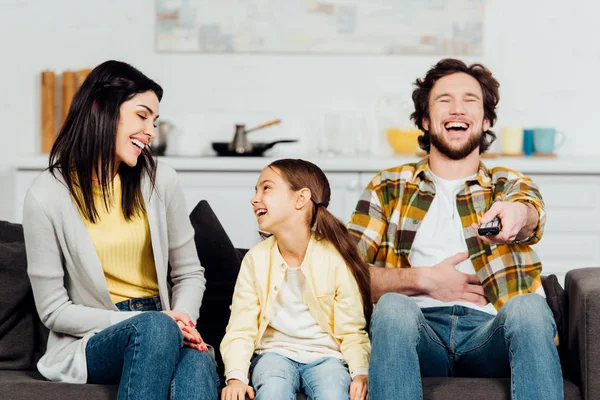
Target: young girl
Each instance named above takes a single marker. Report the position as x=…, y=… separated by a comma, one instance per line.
x=302, y=297
x=101, y=225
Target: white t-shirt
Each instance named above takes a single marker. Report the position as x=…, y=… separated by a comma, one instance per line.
x=440, y=236
x=293, y=332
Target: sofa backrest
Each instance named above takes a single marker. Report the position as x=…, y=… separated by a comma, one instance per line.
x=19, y=321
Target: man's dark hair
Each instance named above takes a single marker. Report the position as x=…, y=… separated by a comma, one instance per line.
x=489, y=88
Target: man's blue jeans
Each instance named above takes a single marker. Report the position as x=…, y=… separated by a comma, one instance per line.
x=409, y=342
x=146, y=357
x=277, y=377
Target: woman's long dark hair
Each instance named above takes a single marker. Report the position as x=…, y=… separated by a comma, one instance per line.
x=85, y=146
x=301, y=174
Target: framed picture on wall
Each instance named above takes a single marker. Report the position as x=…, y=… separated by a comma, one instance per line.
x=449, y=27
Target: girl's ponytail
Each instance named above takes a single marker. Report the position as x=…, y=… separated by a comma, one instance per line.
x=327, y=226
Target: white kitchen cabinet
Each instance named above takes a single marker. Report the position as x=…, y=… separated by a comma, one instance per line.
x=572, y=234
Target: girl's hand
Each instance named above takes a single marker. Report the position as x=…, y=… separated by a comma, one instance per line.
x=191, y=337
x=358, y=387
x=236, y=390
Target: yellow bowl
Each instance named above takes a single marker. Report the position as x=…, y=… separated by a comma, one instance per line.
x=403, y=140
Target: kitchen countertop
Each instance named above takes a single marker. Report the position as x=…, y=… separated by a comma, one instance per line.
x=568, y=164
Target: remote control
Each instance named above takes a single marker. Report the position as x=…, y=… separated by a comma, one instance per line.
x=492, y=228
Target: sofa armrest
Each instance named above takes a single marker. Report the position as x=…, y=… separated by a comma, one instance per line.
x=583, y=296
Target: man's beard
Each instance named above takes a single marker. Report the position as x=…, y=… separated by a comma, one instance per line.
x=442, y=145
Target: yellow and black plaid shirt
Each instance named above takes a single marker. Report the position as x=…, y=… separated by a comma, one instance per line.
x=393, y=205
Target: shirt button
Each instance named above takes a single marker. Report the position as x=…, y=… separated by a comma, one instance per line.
x=276, y=288
x=265, y=318
x=415, y=221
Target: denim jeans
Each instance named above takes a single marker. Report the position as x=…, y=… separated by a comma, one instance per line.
x=145, y=356
x=409, y=342
x=274, y=376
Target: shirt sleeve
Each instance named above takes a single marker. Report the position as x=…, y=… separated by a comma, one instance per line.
x=187, y=275
x=349, y=322
x=368, y=222
x=237, y=345
x=523, y=189
x=239, y=375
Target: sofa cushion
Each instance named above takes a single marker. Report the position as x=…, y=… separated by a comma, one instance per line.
x=221, y=262
x=17, y=311
x=216, y=252
x=30, y=385
x=480, y=388
x=557, y=301
x=10, y=233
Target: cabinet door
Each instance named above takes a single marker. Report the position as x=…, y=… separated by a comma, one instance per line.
x=571, y=237
x=228, y=194
x=345, y=190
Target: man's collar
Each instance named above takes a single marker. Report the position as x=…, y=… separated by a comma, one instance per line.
x=483, y=175
x=422, y=169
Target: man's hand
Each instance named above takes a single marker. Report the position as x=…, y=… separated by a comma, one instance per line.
x=358, y=387
x=444, y=282
x=236, y=390
x=518, y=221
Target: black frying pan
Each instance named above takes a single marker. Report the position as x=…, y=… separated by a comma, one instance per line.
x=258, y=148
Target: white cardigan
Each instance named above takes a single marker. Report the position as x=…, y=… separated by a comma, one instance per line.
x=67, y=279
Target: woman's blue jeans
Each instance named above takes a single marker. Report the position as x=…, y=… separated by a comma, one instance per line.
x=146, y=357
x=409, y=342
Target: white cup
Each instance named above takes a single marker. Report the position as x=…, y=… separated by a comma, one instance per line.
x=511, y=140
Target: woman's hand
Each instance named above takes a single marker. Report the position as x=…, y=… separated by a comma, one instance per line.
x=191, y=337
x=236, y=390
x=358, y=387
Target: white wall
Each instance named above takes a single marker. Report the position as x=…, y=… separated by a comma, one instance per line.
x=544, y=53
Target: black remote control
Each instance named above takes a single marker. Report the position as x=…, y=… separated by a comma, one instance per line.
x=492, y=228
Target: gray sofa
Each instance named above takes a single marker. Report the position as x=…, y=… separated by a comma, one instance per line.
x=22, y=336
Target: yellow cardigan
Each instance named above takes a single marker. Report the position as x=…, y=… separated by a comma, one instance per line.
x=331, y=294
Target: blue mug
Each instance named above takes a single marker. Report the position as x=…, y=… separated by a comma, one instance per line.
x=528, y=148
x=545, y=140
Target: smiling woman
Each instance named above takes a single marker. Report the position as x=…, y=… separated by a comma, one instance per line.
x=108, y=238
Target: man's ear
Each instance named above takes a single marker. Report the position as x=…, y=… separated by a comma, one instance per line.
x=425, y=123
x=303, y=197
x=486, y=124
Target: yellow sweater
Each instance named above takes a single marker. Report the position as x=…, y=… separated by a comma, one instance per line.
x=124, y=248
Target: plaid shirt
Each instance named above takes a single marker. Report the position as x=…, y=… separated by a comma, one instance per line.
x=393, y=205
